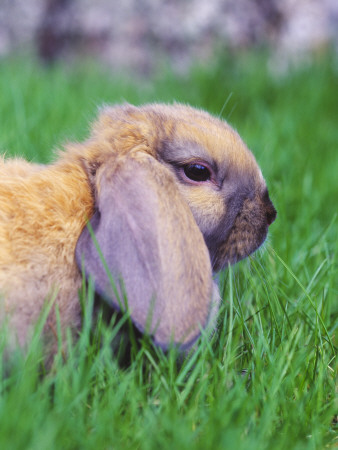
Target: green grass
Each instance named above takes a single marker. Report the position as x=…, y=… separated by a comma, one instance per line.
x=266, y=380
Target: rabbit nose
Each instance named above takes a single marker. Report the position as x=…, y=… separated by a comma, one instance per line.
x=271, y=214
x=270, y=211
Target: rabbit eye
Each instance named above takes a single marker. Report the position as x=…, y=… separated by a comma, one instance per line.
x=197, y=172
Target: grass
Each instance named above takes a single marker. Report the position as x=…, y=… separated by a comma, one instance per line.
x=266, y=379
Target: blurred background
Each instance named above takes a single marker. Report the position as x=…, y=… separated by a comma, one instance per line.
x=140, y=35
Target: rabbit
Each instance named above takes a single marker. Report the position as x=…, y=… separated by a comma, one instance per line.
x=163, y=196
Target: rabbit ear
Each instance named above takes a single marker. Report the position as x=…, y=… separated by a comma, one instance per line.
x=153, y=248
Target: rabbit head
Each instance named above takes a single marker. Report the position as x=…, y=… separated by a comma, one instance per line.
x=177, y=196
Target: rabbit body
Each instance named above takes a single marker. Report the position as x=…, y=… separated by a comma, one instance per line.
x=172, y=194
x=42, y=213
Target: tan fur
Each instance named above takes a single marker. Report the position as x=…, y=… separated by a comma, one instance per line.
x=42, y=212
x=43, y=209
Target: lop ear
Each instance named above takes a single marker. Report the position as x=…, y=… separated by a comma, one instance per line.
x=153, y=248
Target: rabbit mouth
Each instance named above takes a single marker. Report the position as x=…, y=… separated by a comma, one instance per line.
x=238, y=246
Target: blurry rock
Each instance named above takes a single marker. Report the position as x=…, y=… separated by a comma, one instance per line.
x=138, y=34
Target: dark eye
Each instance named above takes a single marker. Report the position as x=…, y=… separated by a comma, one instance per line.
x=197, y=172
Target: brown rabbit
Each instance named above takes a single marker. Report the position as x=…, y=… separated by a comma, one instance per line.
x=171, y=193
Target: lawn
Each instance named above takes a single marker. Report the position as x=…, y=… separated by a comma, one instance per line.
x=266, y=379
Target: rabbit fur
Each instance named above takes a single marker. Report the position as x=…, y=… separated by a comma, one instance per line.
x=172, y=196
